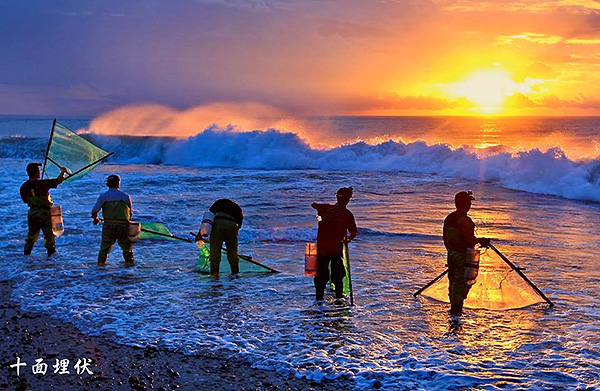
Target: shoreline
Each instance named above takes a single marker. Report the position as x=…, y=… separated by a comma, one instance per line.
x=32, y=336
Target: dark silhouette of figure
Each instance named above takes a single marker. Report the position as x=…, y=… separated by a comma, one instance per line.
x=459, y=234
x=226, y=225
x=335, y=221
x=35, y=192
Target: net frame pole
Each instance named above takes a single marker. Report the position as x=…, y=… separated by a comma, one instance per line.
x=523, y=276
x=430, y=283
x=244, y=257
x=48, y=148
x=165, y=235
x=53, y=162
x=91, y=164
x=349, y=274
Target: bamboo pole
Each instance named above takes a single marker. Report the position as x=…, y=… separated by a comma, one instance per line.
x=244, y=257
x=349, y=274
x=516, y=269
x=48, y=149
x=89, y=165
x=430, y=283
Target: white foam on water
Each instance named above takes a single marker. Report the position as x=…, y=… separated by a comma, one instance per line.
x=388, y=340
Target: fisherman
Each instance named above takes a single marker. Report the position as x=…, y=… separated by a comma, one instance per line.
x=116, y=210
x=335, y=221
x=35, y=192
x=226, y=224
x=459, y=234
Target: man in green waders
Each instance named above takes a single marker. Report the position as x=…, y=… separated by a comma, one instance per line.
x=116, y=210
x=459, y=234
x=335, y=221
x=226, y=224
x=35, y=192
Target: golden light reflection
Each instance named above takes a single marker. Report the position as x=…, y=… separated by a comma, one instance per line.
x=491, y=335
x=489, y=89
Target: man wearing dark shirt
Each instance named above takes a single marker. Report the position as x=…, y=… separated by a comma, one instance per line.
x=35, y=192
x=227, y=222
x=459, y=234
x=335, y=221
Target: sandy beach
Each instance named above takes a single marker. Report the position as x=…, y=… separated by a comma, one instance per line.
x=32, y=336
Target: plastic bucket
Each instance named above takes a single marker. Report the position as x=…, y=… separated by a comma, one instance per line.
x=310, y=259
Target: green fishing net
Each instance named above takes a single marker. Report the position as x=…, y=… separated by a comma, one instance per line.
x=69, y=150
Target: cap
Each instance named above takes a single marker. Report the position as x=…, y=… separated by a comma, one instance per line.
x=32, y=168
x=344, y=192
x=113, y=180
x=463, y=197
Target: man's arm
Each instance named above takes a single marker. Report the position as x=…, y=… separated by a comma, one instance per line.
x=96, y=209
x=130, y=204
x=352, y=229
x=24, y=193
x=467, y=229
x=61, y=175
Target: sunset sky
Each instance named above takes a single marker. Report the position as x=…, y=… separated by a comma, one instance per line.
x=311, y=57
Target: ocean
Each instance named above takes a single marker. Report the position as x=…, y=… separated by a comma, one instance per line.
x=537, y=187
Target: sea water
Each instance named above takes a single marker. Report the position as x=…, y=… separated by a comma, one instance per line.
x=539, y=206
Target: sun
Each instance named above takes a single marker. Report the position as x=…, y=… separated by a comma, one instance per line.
x=488, y=89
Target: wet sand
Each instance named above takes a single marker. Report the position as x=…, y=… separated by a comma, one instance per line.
x=31, y=336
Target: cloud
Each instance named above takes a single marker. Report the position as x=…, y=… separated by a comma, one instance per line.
x=543, y=39
x=551, y=102
x=537, y=6
x=583, y=41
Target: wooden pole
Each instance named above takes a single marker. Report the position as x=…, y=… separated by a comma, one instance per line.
x=349, y=274
x=89, y=165
x=244, y=257
x=516, y=269
x=431, y=283
x=48, y=148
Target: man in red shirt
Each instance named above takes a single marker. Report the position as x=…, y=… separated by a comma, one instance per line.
x=35, y=192
x=335, y=221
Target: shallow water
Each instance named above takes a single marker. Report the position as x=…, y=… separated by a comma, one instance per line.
x=389, y=340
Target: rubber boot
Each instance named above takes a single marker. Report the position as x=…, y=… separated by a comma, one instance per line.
x=456, y=308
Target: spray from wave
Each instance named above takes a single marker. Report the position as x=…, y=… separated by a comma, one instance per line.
x=156, y=120
x=549, y=172
x=226, y=135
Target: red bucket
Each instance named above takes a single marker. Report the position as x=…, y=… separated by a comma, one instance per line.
x=310, y=259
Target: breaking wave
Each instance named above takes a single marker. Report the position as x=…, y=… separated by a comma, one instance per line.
x=536, y=171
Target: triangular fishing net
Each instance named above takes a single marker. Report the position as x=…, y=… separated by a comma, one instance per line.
x=203, y=264
x=155, y=231
x=69, y=150
x=497, y=287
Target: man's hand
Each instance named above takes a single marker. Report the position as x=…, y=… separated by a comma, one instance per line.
x=484, y=242
x=62, y=174
x=95, y=217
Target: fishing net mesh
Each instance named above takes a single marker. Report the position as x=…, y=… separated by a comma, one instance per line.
x=68, y=149
x=497, y=287
x=347, y=277
x=203, y=264
x=155, y=227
